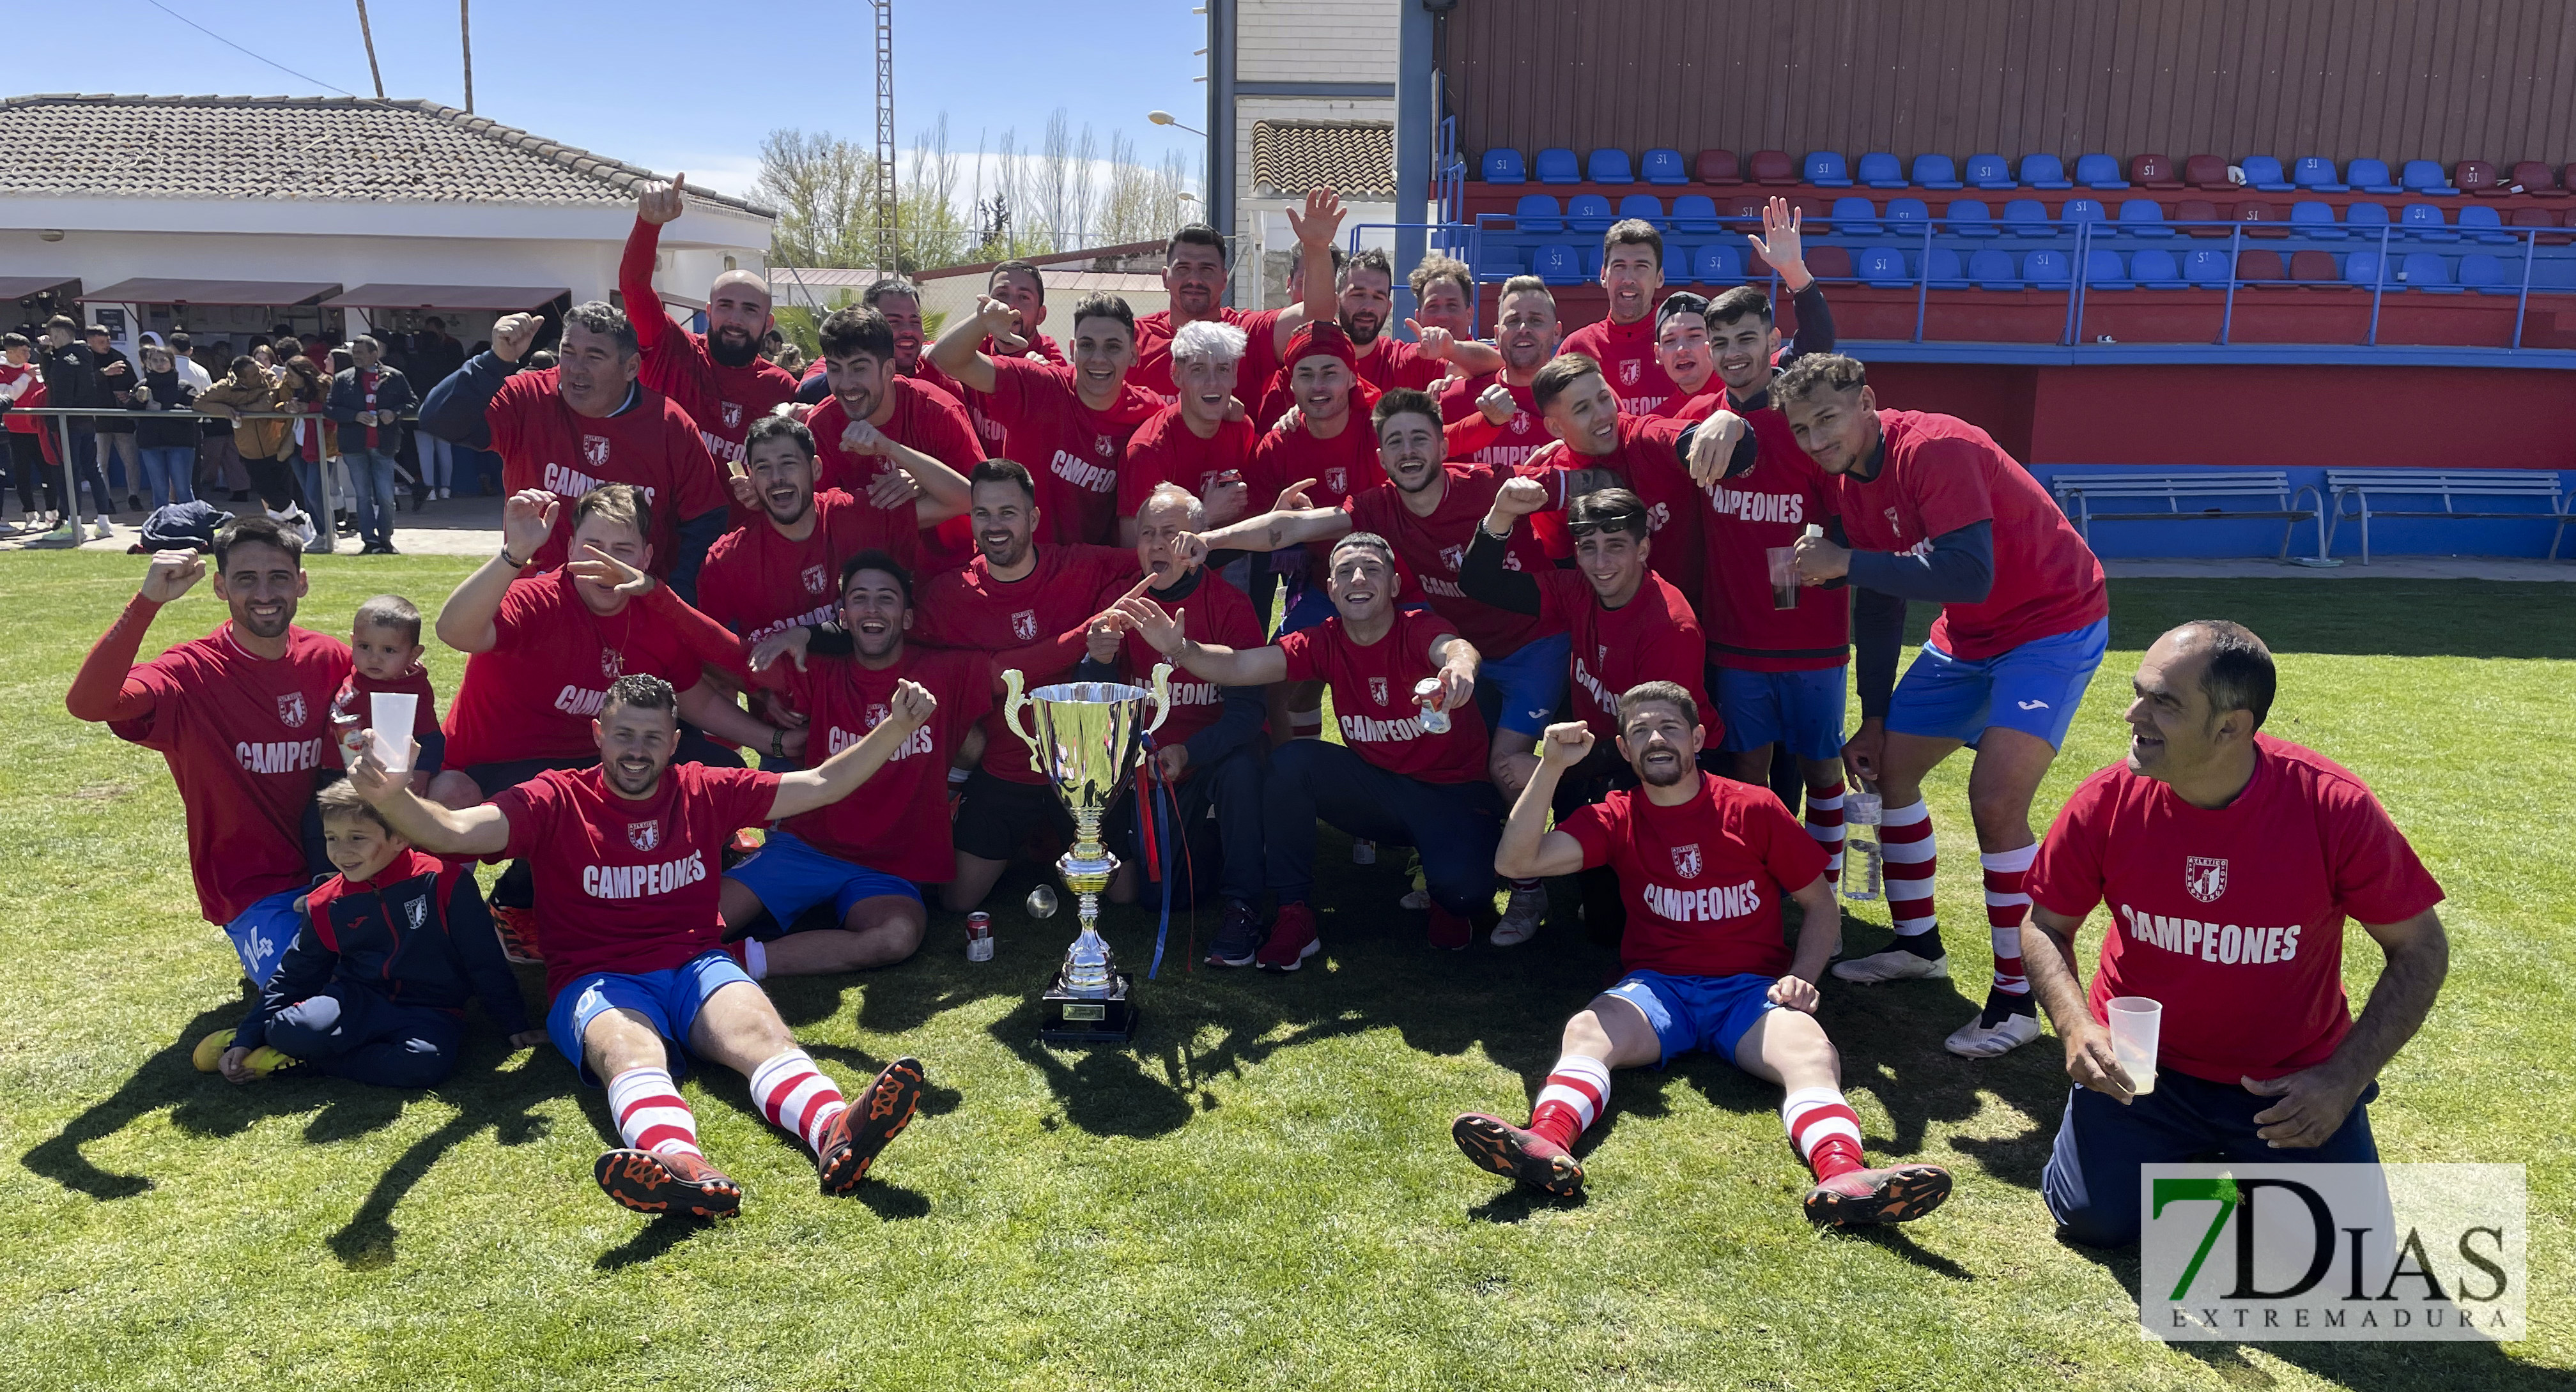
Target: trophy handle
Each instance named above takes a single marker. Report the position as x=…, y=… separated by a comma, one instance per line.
x=1011, y=707
x=1162, y=695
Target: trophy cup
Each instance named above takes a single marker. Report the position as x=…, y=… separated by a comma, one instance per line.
x=1088, y=739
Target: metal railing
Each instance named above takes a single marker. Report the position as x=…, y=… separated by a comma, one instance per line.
x=64, y=415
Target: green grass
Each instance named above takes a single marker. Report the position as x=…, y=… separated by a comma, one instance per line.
x=1262, y=1192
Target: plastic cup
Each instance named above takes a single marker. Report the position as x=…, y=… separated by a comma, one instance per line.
x=1783, y=561
x=392, y=712
x=2135, y=1021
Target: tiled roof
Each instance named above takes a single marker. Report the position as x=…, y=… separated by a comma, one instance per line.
x=1349, y=157
x=341, y=149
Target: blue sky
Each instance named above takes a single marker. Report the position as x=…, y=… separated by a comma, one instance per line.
x=632, y=80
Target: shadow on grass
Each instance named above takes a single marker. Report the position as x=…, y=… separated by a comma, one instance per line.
x=1518, y=1203
x=1893, y=1240
x=484, y=1097
x=651, y=1241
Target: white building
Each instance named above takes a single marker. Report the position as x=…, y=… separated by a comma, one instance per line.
x=228, y=215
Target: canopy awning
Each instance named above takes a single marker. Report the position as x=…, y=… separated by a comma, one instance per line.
x=259, y=293
x=28, y=287
x=499, y=298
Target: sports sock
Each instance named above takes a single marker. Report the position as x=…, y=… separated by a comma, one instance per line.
x=1576, y=1091
x=1905, y=837
x=1520, y=885
x=793, y=1094
x=1306, y=724
x=1825, y=823
x=2006, y=906
x=1825, y=1130
x=650, y=1115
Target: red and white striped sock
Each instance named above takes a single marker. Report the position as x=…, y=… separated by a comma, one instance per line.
x=650, y=1115
x=1825, y=1130
x=1825, y=823
x=1306, y=724
x=794, y=1094
x=1576, y=1091
x=2006, y=906
x=1905, y=837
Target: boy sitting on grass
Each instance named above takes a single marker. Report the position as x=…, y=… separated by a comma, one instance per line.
x=374, y=986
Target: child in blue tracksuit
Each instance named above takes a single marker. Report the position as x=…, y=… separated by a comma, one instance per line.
x=375, y=985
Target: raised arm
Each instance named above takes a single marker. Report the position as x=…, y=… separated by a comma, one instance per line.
x=1528, y=849
x=1209, y=661
x=1314, y=226
x=1274, y=530
x=959, y=351
x=839, y=776
x=480, y=830
x=455, y=409
x=1469, y=357
x=1482, y=574
x=467, y=621
x=655, y=204
x=106, y=688
x=944, y=491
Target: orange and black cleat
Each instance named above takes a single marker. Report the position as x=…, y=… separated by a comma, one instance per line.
x=1516, y=1152
x=852, y=1141
x=518, y=930
x=1899, y=1194
x=675, y=1182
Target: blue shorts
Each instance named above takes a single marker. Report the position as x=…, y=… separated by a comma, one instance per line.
x=1697, y=1012
x=2033, y=688
x=1521, y=692
x=263, y=933
x=790, y=876
x=1799, y=711
x=670, y=999
x=1308, y=605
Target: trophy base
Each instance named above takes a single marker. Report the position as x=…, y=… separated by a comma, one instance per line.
x=1069, y=1019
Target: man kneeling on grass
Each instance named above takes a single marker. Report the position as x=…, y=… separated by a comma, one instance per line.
x=627, y=855
x=1702, y=863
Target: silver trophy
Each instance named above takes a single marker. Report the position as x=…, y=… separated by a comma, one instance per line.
x=1088, y=740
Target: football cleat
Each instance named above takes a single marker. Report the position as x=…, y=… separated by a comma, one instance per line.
x=676, y=1182
x=1516, y=1152
x=1897, y=1195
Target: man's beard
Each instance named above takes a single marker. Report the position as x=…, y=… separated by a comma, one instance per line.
x=729, y=354
x=1359, y=337
x=617, y=779
x=1665, y=779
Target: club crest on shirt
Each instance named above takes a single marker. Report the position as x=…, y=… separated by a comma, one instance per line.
x=418, y=912
x=644, y=836
x=733, y=415
x=1520, y=422
x=2205, y=877
x=1104, y=447
x=1453, y=557
x=1894, y=523
x=1377, y=690
x=1631, y=372
x=1686, y=861
x=1024, y=625
x=594, y=449
x=876, y=715
x=1338, y=479
x=290, y=710
x=612, y=663
x=814, y=579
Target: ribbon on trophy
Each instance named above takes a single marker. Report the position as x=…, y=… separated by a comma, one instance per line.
x=1154, y=831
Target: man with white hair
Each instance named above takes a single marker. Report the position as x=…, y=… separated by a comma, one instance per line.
x=1192, y=442
x=718, y=377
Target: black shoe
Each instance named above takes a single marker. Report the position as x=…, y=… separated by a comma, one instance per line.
x=134, y=502
x=1238, y=938
x=239, y=495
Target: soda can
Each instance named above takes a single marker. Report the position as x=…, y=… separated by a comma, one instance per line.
x=979, y=937
x=1435, y=720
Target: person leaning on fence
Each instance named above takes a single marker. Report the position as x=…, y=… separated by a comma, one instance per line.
x=72, y=383
x=166, y=434
x=255, y=406
x=368, y=400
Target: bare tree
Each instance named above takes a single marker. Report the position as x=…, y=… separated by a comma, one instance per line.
x=824, y=190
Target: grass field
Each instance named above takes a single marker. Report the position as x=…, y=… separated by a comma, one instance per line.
x=1262, y=1191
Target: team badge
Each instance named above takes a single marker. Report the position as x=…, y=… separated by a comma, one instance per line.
x=1377, y=690
x=1338, y=479
x=876, y=715
x=1453, y=557
x=644, y=836
x=1631, y=372
x=814, y=579
x=418, y=912
x=1104, y=447
x=1520, y=422
x=1604, y=658
x=2205, y=877
x=1686, y=861
x=1024, y=625
x=1894, y=523
x=733, y=415
x=290, y=710
x=612, y=663
x=594, y=448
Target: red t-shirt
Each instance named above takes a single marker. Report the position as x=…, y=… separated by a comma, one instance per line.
x=652, y=444
x=243, y=736
x=927, y=373
x=1644, y=460
x=533, y=694
x=1941, y=474
x=757, y=582
x=1702, y=880
x=1392, y=362
x=1213, y=612
x=897, y=822
x=1515, y=440
x=1165, y=450
x=925, y=418
x=629, y=886
x=722, y=401
x=1626, y=353
x=1070, y=450
x=1153, y=370
x=1433, y=548
x=1341, y=466
x=1772, y=504
x=970, y=609
x=1692, y=408
x=2232, y=917
x=1652, y=637
x=1372, y=691
x=351, y=712
x=30, y=396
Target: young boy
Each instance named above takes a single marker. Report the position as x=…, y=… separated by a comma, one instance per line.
x=374, y=987
x=384, y=655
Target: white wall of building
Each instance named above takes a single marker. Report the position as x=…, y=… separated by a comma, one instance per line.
x=1316, y=41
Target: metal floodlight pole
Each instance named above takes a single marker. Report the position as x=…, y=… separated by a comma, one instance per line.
x=889, y=213
x=367, y=32
x=465, y=35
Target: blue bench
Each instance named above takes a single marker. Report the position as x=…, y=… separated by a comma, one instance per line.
x=2076, y=494
x=2485, y=490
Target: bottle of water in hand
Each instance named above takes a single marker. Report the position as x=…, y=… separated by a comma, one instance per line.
x=1862, y=858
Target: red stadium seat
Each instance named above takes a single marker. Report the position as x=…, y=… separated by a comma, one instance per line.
x=1826, y=262
x=2538, y=217
x=2537, y=179
x=1812, y=210
x=2199, y=210
x=2153, y=171
x=1773, y=167
x=1718, y=167
x=2208, y=172
x=2266, y=219
x=2260, y=264
x=2478, y=177
x=2317, y=270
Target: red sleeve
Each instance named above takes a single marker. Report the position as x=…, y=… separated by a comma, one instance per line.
x=1148, y=463
x=699, y=483
x=1015, y=382
x=1947, y=478
x=1469, y=434
x=1596, y=828
x=529, y=810
x=859, y=525
x=107, y=687
x=1305, y=663
x=948, y=433
x=703, y=638
x=2066, y=877
x=2377, y=877
x=744, y=795
x=1556, y=591
x=717, y=596
x=635, y=284
x=1791, y=855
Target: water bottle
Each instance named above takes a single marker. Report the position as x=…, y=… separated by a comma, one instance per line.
x=1862, y=858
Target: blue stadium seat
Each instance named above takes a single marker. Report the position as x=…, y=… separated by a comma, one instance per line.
x=1825, y=169
x=2099, y=172
x=2104, y=270
x=2264, y=172
x=1936, y=172
x=1537, y=212
x=2154, y=268
x=2028, y=217
x=1587, y=212
x=1907, y=214
x=1718, y=263
x=2365, y=219
x=2479, y=222
x=2424, y=222
x=2371, y=176
x=1855, y=214
x=1641, y=205
x=2314, y=217
x=1882, y=266
x=1994, y=270
x=2362, y=268
x=2422, y=270
x=1945, y=272
x=2143, y=217
x=2047, y=270
x=1677, y=263
x=2075, y=210
x=1695, y=212
x=2426, y=176
x=1988, y=172
x=1504, y=167
x=1591, y=261
x=1557, y=264
x=1609, y=167
x=1557, y=166
x=2318, y=173
x=2044, y=172
x=2485, y=274
x=1968, y=217
x=1665, y=167
x=1497, y=262
x=2205, y=266
x=1879, y=169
